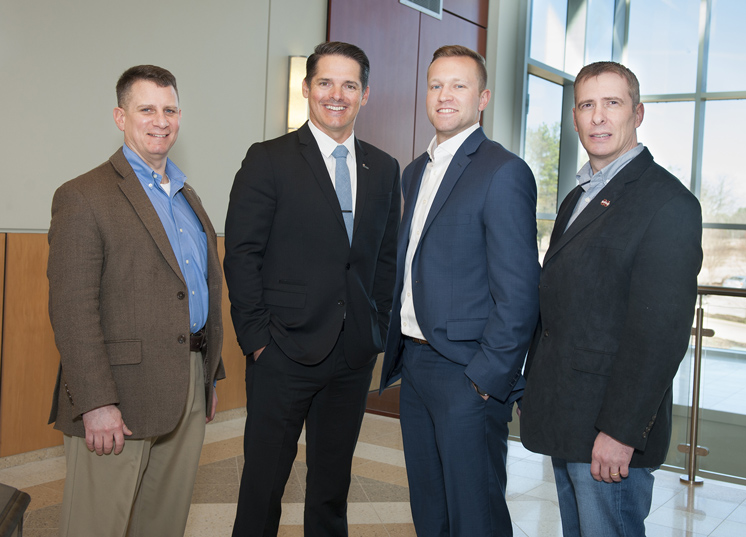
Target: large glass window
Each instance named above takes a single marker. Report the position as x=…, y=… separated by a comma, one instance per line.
x=689, y=58
x=723, y=193
x=663, y=44
x=667, y=130
x=548, y=23
x=726, y=69
x=599, y=30
x=543, y=123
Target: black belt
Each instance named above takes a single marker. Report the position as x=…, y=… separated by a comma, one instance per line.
x=418, y=340
x=197, y=341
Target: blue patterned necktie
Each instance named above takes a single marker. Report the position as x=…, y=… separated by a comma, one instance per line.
x=343, y=187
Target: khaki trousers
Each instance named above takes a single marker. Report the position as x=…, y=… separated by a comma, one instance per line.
x=144, y=491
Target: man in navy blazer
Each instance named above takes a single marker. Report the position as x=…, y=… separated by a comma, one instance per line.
x=465, y=306
x=310, y=275
x=618, y=290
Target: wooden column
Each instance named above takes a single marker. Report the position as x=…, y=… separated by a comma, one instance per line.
x=29, y=355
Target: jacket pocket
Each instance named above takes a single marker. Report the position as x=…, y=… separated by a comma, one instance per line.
x=124, y=351
x=593, y=361
x=284, y=299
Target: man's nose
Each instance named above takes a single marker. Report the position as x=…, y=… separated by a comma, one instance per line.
x=160, y=119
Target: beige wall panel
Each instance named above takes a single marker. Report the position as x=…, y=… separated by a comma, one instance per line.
x=61, y=63
x=30, y=358
x=231, y=390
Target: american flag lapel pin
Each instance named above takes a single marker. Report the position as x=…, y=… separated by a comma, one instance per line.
x=365, y=166
x=605, y=203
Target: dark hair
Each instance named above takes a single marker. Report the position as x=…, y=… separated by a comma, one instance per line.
x=340, y=49
x=162, y=77
x=593, y=70
x=448, y=51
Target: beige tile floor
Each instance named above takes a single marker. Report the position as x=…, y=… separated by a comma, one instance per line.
x=379, y=493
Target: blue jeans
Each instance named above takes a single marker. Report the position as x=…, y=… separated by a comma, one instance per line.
x=591, y=508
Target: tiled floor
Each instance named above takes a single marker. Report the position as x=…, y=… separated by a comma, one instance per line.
x=379, y=493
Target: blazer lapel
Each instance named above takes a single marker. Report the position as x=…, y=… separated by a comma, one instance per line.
x=412, y=190
x=604, y=201
x=458, y=164
x=132, y=189
x=312, y=154
x=364, y=184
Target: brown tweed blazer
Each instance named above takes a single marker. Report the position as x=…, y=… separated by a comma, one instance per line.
x=118, y=304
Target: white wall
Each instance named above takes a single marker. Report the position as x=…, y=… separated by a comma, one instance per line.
x=59, y=63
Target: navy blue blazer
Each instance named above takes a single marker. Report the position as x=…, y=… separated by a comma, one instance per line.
x=475, y=272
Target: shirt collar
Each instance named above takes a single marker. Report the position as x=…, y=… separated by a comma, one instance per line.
x=451, y=145
x=146, y=174
x=587, y=179
x=327, y=144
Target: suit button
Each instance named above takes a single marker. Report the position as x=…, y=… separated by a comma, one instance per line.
x=645, y=435
x=180, y=295
x=347, y=266
x=182, y=339
x=340, y=302
x=546, y=333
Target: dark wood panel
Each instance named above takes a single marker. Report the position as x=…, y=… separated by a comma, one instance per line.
x=30, y=357
x=435, y=33
x=388, y=33
x=475, y=11
x=385, y=404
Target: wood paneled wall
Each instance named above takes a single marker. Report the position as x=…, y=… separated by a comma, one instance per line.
x=29, y=359
x=231, y=390
x=2, y=290
x=400, y=42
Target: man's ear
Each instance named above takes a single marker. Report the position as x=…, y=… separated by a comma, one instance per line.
x=119, y=117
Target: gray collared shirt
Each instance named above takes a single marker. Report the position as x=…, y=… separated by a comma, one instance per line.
x=594, y=183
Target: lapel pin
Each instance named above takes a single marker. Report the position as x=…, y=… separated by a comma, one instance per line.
x=605, y=203
x=365, y=166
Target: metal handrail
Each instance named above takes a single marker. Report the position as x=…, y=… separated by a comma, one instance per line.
x=699, y=332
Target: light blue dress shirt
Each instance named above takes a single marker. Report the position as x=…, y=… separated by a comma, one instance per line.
x=184, y=231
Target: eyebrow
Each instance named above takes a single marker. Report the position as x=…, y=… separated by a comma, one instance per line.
x=355, y=82
x=586, y=101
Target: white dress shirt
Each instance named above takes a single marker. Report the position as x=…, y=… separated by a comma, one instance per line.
x=440, y=158
x=327, y=145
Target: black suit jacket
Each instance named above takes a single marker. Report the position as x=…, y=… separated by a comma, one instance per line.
x=292, y=275
x=617, y=297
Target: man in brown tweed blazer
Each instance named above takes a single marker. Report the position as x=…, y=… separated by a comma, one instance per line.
x=134, y=299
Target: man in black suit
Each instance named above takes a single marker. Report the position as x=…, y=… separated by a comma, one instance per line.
x=617, y=295
x=310, y=275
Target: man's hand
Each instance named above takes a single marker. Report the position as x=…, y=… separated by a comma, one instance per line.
x=105, y=430
x=610, y=459
x=258, y=353
x=211, y=417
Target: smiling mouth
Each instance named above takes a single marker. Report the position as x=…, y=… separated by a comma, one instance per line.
x=335, y=108
x=446, y=110
x=600, y=135
x=158, y=135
